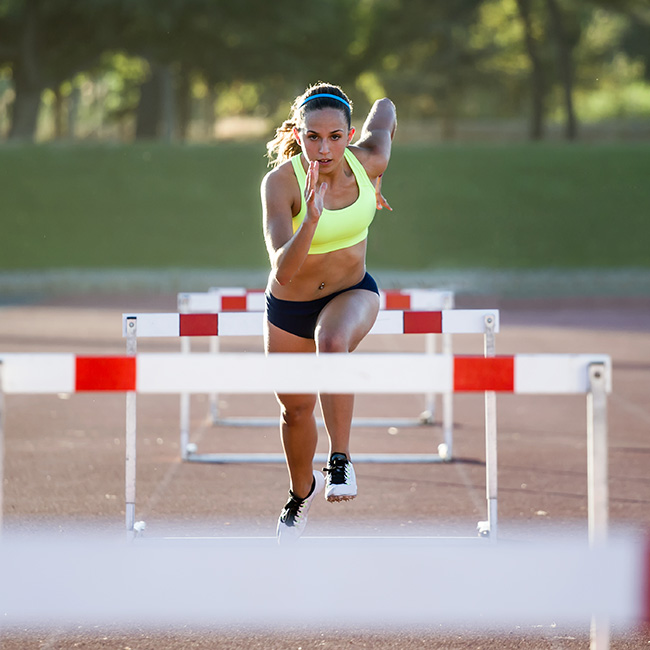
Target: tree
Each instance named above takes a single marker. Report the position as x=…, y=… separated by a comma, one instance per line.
x=46, y=42
x=218, y=43
x=537, y=82
x=425, y=57
x=635, y=38
x=564, y=42
x=548, y=32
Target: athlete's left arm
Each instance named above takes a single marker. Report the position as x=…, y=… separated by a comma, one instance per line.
x=374, y=144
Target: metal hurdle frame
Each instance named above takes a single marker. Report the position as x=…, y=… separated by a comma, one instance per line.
x=371, y=373
x=489, y=324
x=220, y=299
x=2, y=446
x=118, y=374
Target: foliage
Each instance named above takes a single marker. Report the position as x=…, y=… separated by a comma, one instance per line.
x=167, y=59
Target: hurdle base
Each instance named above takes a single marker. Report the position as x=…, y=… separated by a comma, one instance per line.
x=483, y=529
x=319, y=458
x=315, y=540
x=423, y=420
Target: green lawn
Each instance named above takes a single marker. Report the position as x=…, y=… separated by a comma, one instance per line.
x=455, y=206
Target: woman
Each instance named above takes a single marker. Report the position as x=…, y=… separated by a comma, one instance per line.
x=318, y=202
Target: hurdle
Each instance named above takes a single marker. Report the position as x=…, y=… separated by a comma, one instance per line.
x=220, y=299
x=2, y=447
x=99, y=583
x=171, y=373
x=185, y=326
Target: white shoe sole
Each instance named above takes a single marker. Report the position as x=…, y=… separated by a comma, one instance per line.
x=336, y=498
x=342, y=492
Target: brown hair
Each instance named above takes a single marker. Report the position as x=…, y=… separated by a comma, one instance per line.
x=284, y=145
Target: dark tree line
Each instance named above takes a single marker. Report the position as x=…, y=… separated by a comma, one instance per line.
x=422, y=52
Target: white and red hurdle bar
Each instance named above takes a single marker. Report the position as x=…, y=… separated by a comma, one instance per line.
x=251, y=373
x=446, y=322
x=240, y=299
x=223, y=299
x=376, y=373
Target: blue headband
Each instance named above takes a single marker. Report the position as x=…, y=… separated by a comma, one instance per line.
x=325, y=95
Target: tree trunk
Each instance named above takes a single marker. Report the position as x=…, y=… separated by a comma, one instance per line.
x=168, y=104
x=25, y=108
x=208, y=118
x=28, y=84
x=565, y=67
x=448, y=112
x=59, y=117
x=184, y=100
x=148, y=114
x=537, y=85
x=73, y=112
x=156, y=112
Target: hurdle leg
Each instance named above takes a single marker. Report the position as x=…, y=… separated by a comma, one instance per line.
x=184, y=398
x=446, y=450
x=489, y=528
x=491, y=463
x=132, y=528
x=214, y=397
x=597, y=471
x=130, y=462
x=2, y=451
x=429, y=412
x=597, y=476
x=184, y=412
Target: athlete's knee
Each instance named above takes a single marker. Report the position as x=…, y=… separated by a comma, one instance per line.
x=329, y=341
x=298, y=411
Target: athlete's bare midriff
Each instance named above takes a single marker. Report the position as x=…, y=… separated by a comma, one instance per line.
x=321, y=275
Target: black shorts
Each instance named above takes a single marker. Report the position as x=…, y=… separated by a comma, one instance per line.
x=300, y=318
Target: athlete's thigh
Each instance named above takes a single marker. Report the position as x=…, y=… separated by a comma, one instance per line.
x=277, y=340
x=346, y=319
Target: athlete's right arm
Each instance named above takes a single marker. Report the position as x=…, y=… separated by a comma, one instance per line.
x=288, y=251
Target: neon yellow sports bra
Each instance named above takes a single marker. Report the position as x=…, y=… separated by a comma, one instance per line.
x=339, y=228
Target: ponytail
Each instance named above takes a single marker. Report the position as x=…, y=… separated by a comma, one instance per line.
x=284, y=145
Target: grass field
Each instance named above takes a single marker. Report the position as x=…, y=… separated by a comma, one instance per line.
x=467, y=206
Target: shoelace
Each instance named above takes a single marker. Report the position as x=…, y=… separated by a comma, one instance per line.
x=292, y=511
x=337, y=470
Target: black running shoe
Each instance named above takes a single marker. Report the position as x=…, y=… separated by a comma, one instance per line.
x=341, y=481
x=293, y=517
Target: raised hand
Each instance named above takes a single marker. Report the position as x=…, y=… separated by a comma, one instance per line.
x=381, y=201
x=313, y=196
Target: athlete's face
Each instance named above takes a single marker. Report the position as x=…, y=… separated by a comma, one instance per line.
x=324, y=137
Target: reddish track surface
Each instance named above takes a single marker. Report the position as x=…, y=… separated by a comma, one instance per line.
x=64, y=465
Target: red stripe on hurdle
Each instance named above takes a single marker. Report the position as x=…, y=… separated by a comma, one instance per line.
x=422, y=322
x=233, y=303
x=481, y=373
x=105, y=373
x=199, y=324
x=396, y=300
x=646, y=586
